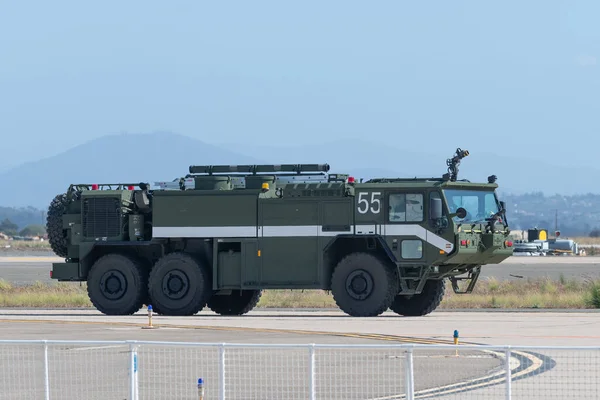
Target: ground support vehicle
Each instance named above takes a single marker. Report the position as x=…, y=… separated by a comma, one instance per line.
x=220, y=235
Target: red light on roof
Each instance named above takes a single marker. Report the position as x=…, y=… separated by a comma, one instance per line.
x=350, y=179
x=130, y=187
x=95, y=186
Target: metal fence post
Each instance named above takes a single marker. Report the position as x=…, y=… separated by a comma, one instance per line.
x=222, y=369
x=46, y=373
x=133, y=366
x=311, y=378
x=409, y=374
x=508, y=374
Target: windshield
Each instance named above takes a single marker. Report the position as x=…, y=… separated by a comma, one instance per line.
x=479, y=204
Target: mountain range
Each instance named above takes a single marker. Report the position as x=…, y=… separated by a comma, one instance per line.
x=164, y=156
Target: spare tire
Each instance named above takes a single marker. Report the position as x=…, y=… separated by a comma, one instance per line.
x=57, y=236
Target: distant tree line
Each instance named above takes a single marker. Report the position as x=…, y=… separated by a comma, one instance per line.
x=577, y=215
x=595, y=233
x=9, y=228
x=25, y=221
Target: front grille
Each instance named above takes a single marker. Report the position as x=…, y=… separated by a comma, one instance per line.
x=102, y=217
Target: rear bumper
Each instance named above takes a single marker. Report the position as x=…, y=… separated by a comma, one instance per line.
x=65, y=271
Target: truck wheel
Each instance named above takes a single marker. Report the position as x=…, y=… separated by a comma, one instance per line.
x=116, y=285
x=237, y=303
x=363, y=285
x=57, y=236
x=179, y=285
x=420, y=304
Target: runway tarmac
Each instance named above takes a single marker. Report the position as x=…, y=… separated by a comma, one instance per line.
x=282, y=372
x=27, y=270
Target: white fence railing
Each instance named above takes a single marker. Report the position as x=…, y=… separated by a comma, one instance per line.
x=134, y=370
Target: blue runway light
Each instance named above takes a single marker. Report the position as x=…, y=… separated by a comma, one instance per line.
x=200, y=389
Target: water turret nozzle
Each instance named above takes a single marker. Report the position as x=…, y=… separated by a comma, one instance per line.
x=453, y=164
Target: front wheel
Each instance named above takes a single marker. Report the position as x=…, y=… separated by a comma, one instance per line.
x=364, y=285
x=423, y=303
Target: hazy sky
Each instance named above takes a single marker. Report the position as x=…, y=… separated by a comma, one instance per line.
x=517, y=77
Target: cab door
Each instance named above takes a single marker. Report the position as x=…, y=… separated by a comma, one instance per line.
x=404, y=219
x=369, y=212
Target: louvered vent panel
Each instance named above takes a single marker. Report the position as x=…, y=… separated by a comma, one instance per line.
x=102, y=217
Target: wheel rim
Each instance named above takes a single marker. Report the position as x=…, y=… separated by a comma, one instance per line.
x=113, y=285
x=175, y=285
x=359, y=284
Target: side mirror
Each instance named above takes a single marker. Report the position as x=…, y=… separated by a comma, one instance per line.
x=435, y=206
x=502, y=205
x=460, y=213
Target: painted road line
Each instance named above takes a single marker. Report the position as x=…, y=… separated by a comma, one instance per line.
x=522, y=365
x=449, y=389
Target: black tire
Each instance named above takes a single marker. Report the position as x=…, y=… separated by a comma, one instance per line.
x=237, y=303
x=179, y=284
x=420, y=304
x=364, y=269
x=57, y=236
x=124, y=277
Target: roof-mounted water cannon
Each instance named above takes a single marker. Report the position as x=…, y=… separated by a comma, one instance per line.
x=453, y=164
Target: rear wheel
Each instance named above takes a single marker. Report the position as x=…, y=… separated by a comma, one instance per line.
x=363, y=285
x=179, y=284
x=117, y=285
x=420, y=304
x=237, y=303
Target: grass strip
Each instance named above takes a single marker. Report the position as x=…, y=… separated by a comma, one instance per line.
x=25, y=245
x=489, y=293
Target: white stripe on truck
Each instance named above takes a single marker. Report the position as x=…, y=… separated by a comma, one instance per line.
x=298, y=231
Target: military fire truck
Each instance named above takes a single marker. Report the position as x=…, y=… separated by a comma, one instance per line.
x=220, y=235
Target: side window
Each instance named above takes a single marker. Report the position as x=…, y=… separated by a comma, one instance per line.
x=490, y=205
x=412, y=249
x=405, y=207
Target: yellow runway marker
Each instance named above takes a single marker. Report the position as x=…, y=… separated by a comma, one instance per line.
x=149, y=326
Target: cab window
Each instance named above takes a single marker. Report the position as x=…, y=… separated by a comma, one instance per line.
x=405, y=207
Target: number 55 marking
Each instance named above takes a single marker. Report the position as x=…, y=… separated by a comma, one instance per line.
x=363, y=203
